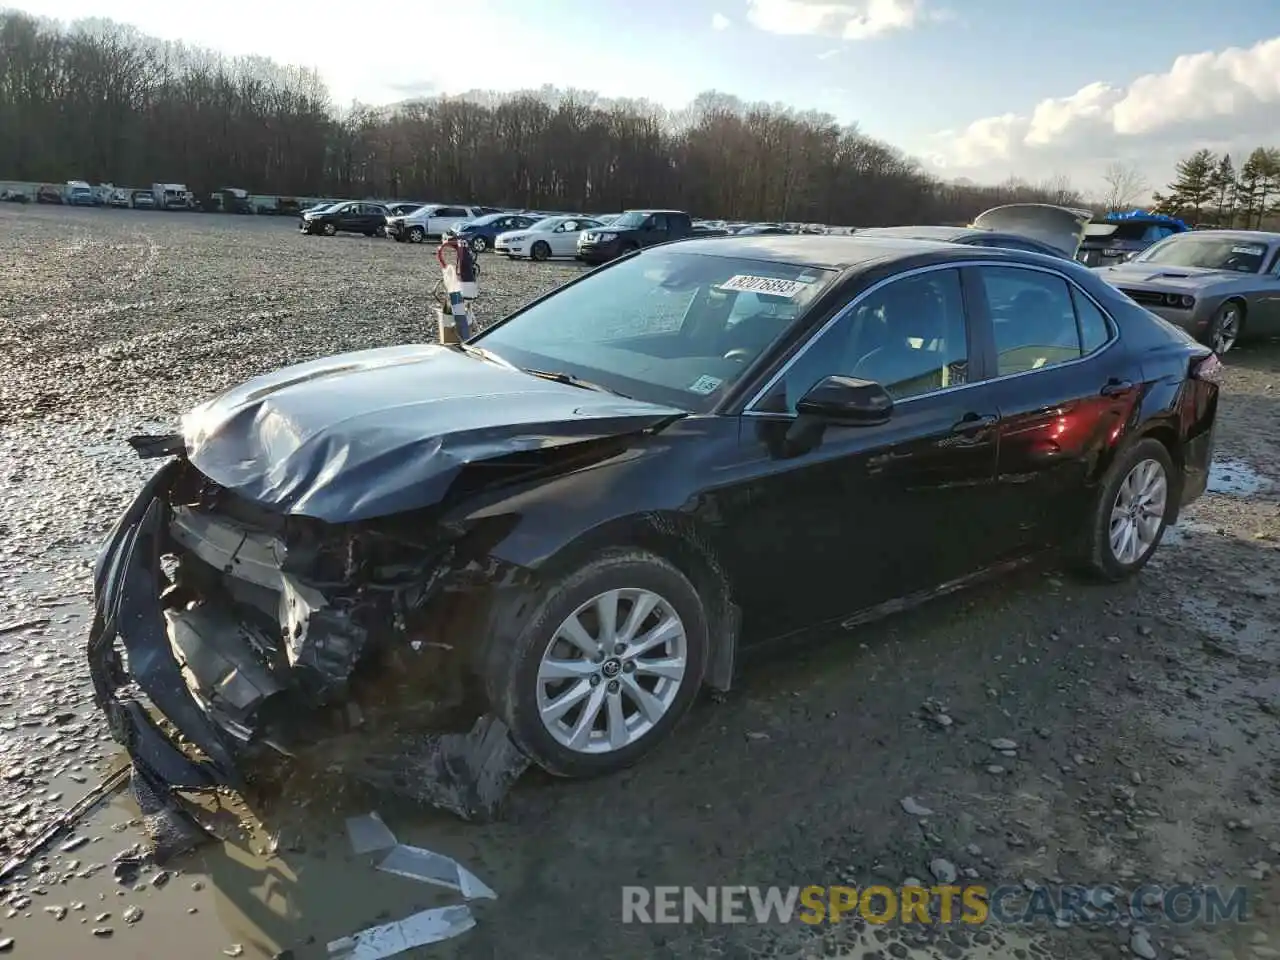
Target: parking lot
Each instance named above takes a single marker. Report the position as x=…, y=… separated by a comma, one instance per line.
x=1146, y=716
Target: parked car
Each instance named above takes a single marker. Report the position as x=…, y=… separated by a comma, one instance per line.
x=14, y=196
x=173, y=196
x=546, y=238
x=428, y=222
x=481, y=232
x=763, y=229
x=78, y=193
x=119, y=199
x=143, y=200
x=604, y=496
x=47, y=193
x=1118, y=237
x=347, y=217
x=1218, y=285
x=633, y=230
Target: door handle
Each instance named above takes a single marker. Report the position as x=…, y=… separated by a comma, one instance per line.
x=1114, y=387
x=972, y=422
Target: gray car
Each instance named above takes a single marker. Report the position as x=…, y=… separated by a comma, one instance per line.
x=1218, y=285
x=1042, y=228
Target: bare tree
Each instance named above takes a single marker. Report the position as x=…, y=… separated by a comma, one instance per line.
x=1125, y=186
x=103, y=102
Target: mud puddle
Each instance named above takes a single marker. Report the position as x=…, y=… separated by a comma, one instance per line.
x=1236, y=478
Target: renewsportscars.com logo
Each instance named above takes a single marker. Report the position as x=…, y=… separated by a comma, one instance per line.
x=971, y=904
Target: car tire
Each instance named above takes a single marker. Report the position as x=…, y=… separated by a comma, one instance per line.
x=329, y=229
x=1225, y=328
x=1135, y=501
x=380, y=232
x=479, y=245
x=417, y=234
x=520, y=691
x=540, y=251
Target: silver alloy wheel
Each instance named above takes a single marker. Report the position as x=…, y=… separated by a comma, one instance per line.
x=1138, y=511
x=1227, y=329
x=479, y=245
x=612, y=670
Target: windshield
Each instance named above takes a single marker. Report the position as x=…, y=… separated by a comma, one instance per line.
x=1213, y=253
x=665, y=327
x=633, y=219
x=548, y=223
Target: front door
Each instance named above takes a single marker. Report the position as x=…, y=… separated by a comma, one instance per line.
x=863, y=515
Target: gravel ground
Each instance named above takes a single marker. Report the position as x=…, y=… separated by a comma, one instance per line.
x=1144, y=716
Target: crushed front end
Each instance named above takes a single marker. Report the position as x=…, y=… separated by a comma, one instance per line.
x=224, y=632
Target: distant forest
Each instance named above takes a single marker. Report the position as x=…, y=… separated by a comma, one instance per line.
x=102, y=102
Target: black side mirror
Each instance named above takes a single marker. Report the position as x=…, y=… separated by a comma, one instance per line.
x=847, y=401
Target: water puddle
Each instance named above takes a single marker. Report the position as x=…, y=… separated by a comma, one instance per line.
x=1236, y=478
x=1241, y=631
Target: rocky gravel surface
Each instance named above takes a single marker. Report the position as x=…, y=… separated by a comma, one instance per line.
x=1035, y=731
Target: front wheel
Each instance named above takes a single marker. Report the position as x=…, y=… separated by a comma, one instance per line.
x=329, y=229
x=479, y=245
x=541, y=250
x=1225, y=327
x=417, y=234
x=1134, y=504
x=609, y=661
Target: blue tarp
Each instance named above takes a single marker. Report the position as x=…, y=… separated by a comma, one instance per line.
x=1116, y=216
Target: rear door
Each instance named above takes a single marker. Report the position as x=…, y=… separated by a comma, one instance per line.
x=1064, y=391
x=564, y=239
x=871, y=513
x=655, y=231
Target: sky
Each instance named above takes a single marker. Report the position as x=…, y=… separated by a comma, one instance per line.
x=980, y=89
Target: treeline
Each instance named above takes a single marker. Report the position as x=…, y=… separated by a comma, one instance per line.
x=102, y=102
x=1208, y=189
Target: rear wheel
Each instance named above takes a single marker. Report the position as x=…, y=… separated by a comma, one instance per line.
x=1134, y=504
x=1225, y=327
x=540, y=251
x=609, y=661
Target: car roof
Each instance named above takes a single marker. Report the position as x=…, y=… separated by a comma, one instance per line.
x=920, y=232
x=1243, y=236
x=822, y=250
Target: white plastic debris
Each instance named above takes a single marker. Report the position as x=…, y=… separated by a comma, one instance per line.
x=369, y=834
x=417, y=930
x=428, y=867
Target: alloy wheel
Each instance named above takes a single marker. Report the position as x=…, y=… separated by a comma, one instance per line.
x=612, y=671
x=479, y=245
x=1138, y=512
x=1227, y=329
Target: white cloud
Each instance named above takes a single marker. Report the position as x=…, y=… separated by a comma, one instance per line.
x=719, y=21
x=1227, y=100
x=848, y=20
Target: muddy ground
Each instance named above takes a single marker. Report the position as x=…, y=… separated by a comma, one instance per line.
x=1146, y=716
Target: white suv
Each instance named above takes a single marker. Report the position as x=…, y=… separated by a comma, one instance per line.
x=433, y=220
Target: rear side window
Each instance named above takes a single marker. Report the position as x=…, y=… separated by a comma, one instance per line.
x=1033, y=318
x=1094, y=331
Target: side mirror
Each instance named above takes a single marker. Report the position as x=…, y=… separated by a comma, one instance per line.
x=847, y=401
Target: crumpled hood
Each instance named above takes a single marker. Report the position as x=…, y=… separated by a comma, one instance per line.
x=378, y=432
x=1166, y=277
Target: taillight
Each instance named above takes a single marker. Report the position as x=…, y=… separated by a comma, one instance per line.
x=1208, y=368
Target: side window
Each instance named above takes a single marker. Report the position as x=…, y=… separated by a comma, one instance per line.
x=1033, y=318
x=569, y=226
x=451, y=212
x=659, y=221
x=908, y=336
x=1094, y=331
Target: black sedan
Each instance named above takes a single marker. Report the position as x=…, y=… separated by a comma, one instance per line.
x=346, y=217
x=593, y=504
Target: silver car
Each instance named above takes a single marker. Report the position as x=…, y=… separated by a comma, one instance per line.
x=1217, y=285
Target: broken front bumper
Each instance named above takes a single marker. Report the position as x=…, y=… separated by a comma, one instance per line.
x=129, y=620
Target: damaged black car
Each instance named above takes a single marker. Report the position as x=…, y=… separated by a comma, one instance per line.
x=581, y=514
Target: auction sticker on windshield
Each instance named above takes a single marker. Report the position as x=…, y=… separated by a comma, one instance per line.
x=705, y=385
x=770, y=285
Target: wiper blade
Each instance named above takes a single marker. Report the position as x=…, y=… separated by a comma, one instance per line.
x=558, y=376
x=483, y=354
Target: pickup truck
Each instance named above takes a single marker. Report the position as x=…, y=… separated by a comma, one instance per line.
x=631, y=231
